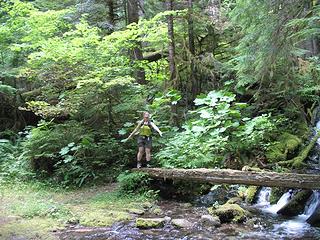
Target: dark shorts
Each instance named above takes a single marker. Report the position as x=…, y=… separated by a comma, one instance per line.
x=144, y=141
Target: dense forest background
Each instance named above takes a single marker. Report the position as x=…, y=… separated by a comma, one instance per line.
x=229, y=82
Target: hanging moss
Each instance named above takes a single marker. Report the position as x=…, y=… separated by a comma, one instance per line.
x=287, y=143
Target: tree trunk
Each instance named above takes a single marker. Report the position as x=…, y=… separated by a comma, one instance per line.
x=171, y=47
x=111, y=13
x=172, y=65
x=193, y=80
x=228, y=176
x=133, y=17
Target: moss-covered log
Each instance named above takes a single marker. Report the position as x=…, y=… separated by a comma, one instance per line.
x=228, y=176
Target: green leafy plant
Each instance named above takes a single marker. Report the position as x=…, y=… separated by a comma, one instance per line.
x=135, y=182
x=217, y=127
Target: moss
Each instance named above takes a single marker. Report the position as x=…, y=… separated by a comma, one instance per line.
x=298, y=161
x=150, y=222
x=37, y=211
x=287, y=143
x=233, y=200
x=101, y=217
x=251, y=193
x=36, y=228
x=156, y=211
x=229, y=213
x=136, y=211
x=276, y=194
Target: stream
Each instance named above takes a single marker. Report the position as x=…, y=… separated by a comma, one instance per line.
x=264, y=224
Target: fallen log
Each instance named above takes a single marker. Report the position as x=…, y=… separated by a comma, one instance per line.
x=229, y=176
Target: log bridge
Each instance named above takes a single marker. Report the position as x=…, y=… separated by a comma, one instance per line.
x=229, y=176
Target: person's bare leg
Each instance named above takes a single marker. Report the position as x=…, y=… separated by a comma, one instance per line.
x=139, y=156
x=148, y=155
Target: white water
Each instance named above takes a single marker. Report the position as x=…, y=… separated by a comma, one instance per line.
x=264, y=197
x=280, y=204
x=263, y=201
x=297, y=225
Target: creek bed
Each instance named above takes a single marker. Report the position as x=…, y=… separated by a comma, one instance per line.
x=262, y=225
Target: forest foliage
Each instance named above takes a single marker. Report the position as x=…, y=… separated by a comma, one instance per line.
x=245, y=72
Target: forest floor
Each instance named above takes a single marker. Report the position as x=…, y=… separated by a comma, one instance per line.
x=36, y=211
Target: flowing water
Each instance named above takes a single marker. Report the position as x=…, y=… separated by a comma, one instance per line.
x=264, y=224
x=297, y=227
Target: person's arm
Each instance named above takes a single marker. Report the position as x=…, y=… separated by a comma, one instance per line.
x=135, y=130
x=156, y=128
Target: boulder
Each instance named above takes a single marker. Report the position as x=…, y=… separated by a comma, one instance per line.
x=209, y=220
x=296, y=204
x=136, y=211
x=233, y=200
x=229, y=213
x=218, y=194
x=251, y=194
x=150, y=222
x=156, y=211
x=182, y=223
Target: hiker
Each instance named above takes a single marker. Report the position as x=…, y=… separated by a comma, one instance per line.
x=144, y=129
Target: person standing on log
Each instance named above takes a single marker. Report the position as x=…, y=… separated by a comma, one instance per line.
x=144, y=129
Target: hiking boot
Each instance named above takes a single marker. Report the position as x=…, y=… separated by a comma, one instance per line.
x=139, y=165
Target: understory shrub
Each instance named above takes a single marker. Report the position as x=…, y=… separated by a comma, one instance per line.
x=135, y=182
x=219, y=127
x=73, y=154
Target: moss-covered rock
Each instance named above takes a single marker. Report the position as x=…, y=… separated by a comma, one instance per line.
x=136, y=211
x=150, y=222
x=286, y=144
x=229, y=213
x=156, y=211
x=235, y=200
x=251, y=194
x=298, y=161
x=296, y=204
x=276, y=194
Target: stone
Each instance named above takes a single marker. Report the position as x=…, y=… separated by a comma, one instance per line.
x=168, y=219
x=229, y=213
x=136, y=211
x=236, y=200
x=218, y=194
x=296, y=204
x=210, y=220
x=147, y=205
x=156, y=211
x=186, y=205
x=251, y=194
x=150, y=222
x=182, y=223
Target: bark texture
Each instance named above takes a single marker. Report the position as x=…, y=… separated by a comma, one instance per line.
x=228, y=176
